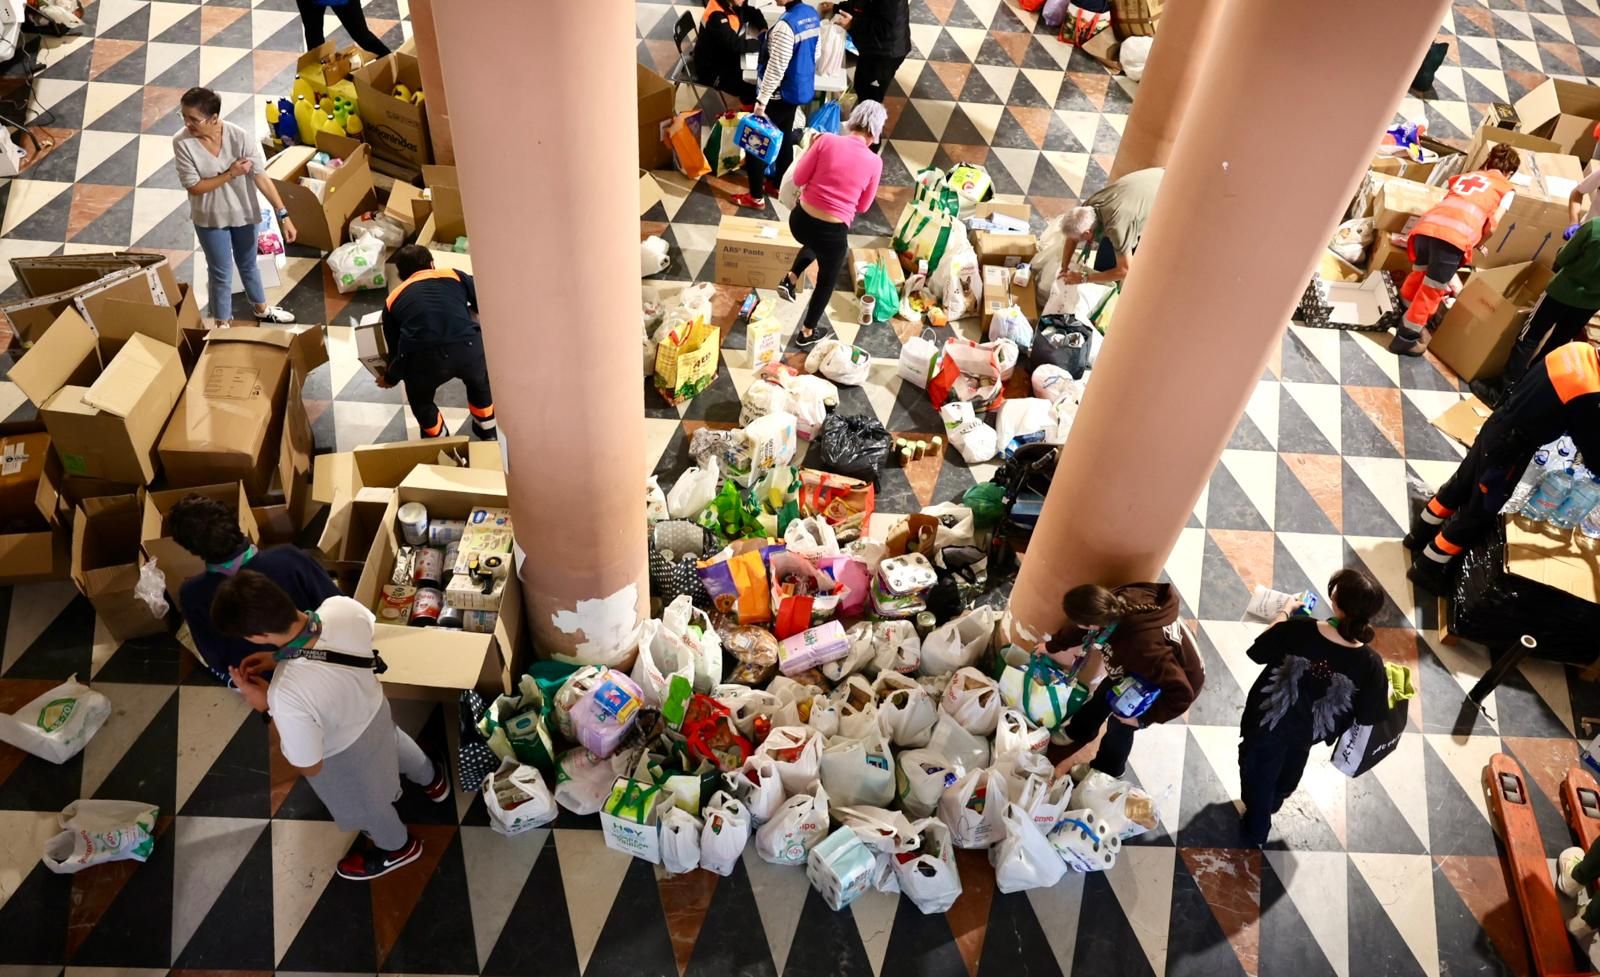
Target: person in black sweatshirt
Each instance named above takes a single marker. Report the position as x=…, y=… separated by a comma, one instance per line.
x=881, y=30
x=209, y=530
x=433, y=339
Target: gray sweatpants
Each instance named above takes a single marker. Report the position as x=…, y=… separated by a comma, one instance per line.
x=360, y=784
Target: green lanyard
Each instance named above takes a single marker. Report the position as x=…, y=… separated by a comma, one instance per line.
x=230, y=567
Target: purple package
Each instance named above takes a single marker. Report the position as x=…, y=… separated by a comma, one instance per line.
x=854, y=580
x=816, y=646
x=603, y=717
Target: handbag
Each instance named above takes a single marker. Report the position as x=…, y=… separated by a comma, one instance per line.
x=1063, y=341
x=844, y=503
x=688, y=544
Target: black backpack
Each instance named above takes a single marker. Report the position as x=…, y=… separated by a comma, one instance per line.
x=1063, y=341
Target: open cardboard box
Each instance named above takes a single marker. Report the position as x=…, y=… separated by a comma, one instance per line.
x=1399, y=204
x=33, y=536
x=166, y=324
x=446, y=219
x=657, y=99
x=1552, y=562
x=104, y=423
x=436, y=662
x=86, y=287
x=1475, y=337
x=396, y=129
x=177, y=563
x=106, y=563
x=324, y=224
x=1407, y=168
x=408, y=205
x=369, y=475
x=1564, y=112
x=1464, y=420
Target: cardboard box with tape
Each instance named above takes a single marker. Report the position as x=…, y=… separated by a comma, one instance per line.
x=999, y=292
x=754, y=252
x=396, y=128
x=1476, y=335
x=1000, y=248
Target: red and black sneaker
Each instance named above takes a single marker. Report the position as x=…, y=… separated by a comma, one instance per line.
x=771, y=186
x=749, y=202
x=369, y=862
x=439, y=787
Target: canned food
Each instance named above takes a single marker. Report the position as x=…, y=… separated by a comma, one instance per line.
x=413, y=518
x=426, y=607
x=449, y=617
x=394, y=605
x=451, y=554
x=443, y=532
x=428, y=571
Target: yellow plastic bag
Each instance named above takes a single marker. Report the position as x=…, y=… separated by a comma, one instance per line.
x=685, y=369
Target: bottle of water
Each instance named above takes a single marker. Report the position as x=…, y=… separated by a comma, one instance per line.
x=1583, y=497
x=1548, y=496
x=1587, y=536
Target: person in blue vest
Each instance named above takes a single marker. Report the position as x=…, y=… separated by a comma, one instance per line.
x=787, y=74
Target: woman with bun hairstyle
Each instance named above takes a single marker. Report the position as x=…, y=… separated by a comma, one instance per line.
x=1320, y=676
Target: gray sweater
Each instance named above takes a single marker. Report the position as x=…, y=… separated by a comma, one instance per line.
x=234, y=204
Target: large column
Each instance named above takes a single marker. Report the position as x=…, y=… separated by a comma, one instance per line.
x=1268, y=158
x=553, y=219
x=422, y=31
x=1183, y=39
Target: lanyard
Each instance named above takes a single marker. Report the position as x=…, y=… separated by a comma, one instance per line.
x=296, y=648
x=230, y=567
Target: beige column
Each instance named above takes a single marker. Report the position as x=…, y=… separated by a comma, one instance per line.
x=422, y=31
x=551, y=207
x=1183, y=39
x=1267, y=160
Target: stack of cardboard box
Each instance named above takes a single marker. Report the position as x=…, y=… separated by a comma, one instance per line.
x=999, y=254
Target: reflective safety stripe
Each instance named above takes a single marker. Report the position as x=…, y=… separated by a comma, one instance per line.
x=481, y=411
x=1574, y=371
x=1432, y=553
x=485, y=425
x=1444, y=545
x=436, y=429
x=420, y=276
x=1439, y=509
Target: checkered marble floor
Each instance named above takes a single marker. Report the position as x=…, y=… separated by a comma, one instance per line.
x=1395, y=873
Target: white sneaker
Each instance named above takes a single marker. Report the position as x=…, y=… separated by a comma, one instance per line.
x=275, y=313
x=1580, y=929
x=1565, y=863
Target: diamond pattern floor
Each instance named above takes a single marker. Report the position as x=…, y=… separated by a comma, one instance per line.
x=1395, y=873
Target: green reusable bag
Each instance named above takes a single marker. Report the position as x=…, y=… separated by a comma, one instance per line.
x=517, y=726
x=732, y=514
x=988, y=504
x=886, y=298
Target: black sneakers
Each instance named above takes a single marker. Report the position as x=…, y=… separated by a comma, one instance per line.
x=368, y=863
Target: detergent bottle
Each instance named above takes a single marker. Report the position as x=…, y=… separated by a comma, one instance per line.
x=305, y=118
x=353, y=124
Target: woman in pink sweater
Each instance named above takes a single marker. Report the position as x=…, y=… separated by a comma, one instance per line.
x=838, y=179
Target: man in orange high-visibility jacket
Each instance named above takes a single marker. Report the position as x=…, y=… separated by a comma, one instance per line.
x=433, y=339
x=1560, y=395
x=1444, y=239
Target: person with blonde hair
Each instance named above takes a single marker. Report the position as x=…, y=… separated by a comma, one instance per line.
x=1108, y=226
x=838, y=180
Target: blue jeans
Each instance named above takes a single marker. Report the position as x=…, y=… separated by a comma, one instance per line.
x=224, y=247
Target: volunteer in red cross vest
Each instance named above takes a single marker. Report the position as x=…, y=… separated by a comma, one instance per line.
x=1560, y=395
x=787, y=77
x=433, y=339
x=1444, y=239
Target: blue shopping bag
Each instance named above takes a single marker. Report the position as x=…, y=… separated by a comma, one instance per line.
x=826, y=118
x=758, y=137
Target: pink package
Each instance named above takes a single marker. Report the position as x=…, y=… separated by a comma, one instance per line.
x=816, y=646
x=603, y=717
x=854, y=579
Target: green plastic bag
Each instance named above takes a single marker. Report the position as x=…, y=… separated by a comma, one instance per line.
x=777, y=495
x=517, y=726
x=988, y=504
x=880, y=286
x=733, y=514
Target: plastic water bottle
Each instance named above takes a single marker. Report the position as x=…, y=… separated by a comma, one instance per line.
x=1580, y=501
x=1548, y=496
x=1587, y=536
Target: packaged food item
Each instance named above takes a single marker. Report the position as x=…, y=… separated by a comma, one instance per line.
x=394, y=604
x=479, y=622
x=425, y=607
x=443, y=532
x=428, y=568
x=413, y=517
x=450, y=617
x=812, y=648
x=404, y=562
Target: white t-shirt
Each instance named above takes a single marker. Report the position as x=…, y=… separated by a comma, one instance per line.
x=320, y=709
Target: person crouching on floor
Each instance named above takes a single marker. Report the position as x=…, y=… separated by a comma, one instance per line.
x=333, y=721
x=433, y=339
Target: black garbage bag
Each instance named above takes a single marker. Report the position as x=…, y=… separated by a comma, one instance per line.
x=1063, y=341
x=851, y=444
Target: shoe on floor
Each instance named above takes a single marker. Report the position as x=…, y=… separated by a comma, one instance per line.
x=747, y=201
x=276, y=314
x=439, y=788
x=771, y=186
x=1490, y=393
x=1565, y=863
x=1406, y=347
x=817, y=335
x=370, y=862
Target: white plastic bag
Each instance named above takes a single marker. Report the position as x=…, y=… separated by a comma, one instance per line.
x=860, y=656
x=358, y=265
x=957, y=745
x=680, y=841
x=896, y=646
x=96, y=832
x=655, y=503
x=152, y=589
x=517, y=798
x=884, y=831
x=583, y=781
x=389, y=232
x=1083, y=843
x=976, y=440
x=1133, y=55
x=692, y=492
x=973, y=700
x=1044, y=798
x=1024, y=858
x=906, y=712
x=1011, y=323
x=58, y=724
x=772, y=444
x=663, y=653
x=1124, y=809
x=930, y=879
x=958, y=283
x=839, y=362
x=921, y=778
x=858, y=707
x=859, y=771
x=974, y=809
x=1052, y=383
x=803, y=749
x=1014, y=734
x=653, y=259
x=959, y=643
x=795, y=829
x=694, y=627
x=759, y=788
x=917, y=356
x=726, y=832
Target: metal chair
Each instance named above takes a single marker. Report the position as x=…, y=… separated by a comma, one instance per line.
x=682, y=72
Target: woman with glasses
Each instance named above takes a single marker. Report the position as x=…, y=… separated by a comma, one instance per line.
x=222, y=167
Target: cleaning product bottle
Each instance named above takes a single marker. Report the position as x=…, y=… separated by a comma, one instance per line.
x=353, y=124
x=287, y=128
x=325, y=105
x=416, y=97
x=402, y=92
x=332, y=125
x=305, y=118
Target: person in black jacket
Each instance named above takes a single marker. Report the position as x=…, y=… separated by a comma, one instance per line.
x=433, y=339
x=881, y=30
x=728, y=30
x=209, y=530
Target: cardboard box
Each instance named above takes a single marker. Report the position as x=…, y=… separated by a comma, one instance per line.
x=33, y=538
x=324, y=224
x=1552, y=562
x=104, y=423
x=408, y=204
x=326, y=65
x=106, y=563
x=229, y=423
x=372, y=349
x=999, y=292
x=1489, y=136
x=64, y=273
x=649, y=192
x=143, y=283
x=656, y=100
x=1009, y=250
x=1017, y=218
x=1407, y=168
x=438, y=662
x=444, y=255
x=449, y=216
x=1477, y=334
x=177, y=563
x=166, y=324
x=396, y=129
x=1464, y=420
x=1388, y=255
x=1401, y=203
x=1564, y=112
x=368, y=476
x=754, y=252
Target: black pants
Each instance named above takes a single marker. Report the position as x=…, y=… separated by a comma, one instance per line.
x=351, y=17
x=1270, y=765
x=781, y=115
x=1552, y=324
x=874, y=74
x=426, y=370
x=826, y=243
x=1115, y=745
x=1472, y=498
x=1440, y=260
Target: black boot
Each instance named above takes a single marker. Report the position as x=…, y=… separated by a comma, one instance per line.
x=1429, y=576
x=1488, y=391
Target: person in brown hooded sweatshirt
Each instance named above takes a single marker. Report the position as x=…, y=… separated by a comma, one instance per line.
x=1135, y=630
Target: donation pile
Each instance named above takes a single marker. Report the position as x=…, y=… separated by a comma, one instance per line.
x=448, y=573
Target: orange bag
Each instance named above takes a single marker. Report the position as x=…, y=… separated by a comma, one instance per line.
x=846, y=503
x=683, y=138
x=750, y=577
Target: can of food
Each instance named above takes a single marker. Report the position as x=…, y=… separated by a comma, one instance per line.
x=413, y=518
x=428, y=570
x=394, y=604
x=926, y=622
x=451, y=554
x=443, y=532
x=479, y=622
x=868, y=305
x=449, y=617
x=426, y=607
